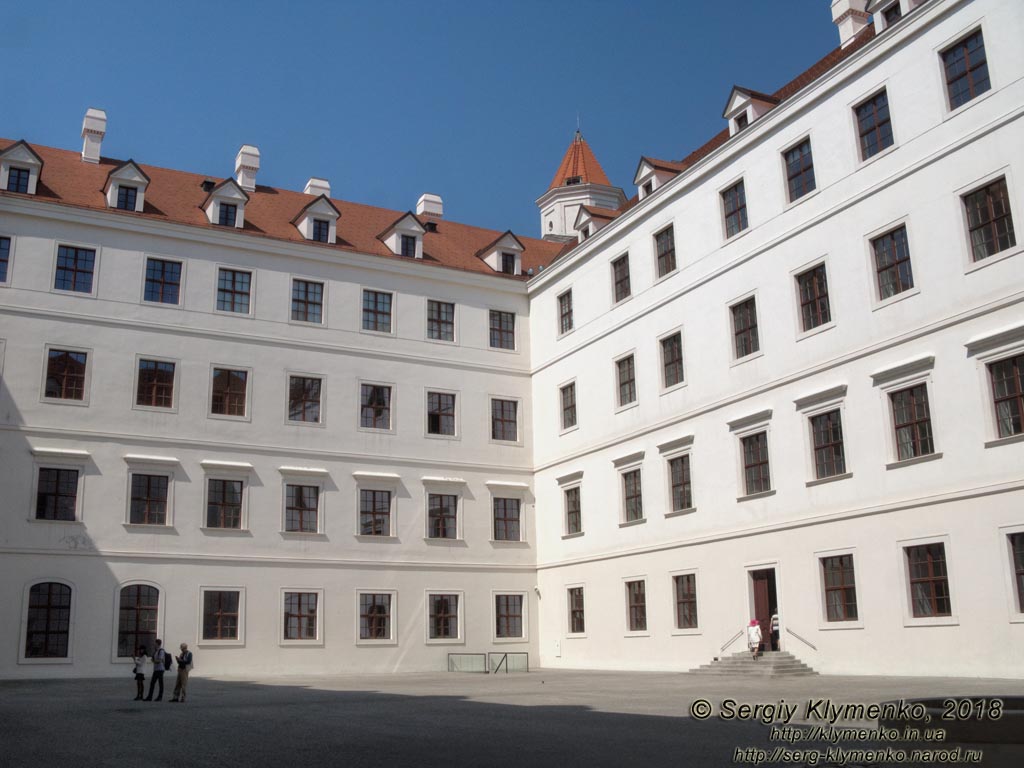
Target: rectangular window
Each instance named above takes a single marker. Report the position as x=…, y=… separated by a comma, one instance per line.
x=227, y=214
x=300, y=620
x=636, y=602
x=626, y=371
x=233, y=287
x=672, y=360
x=665, y=242
x=57, y=494
x=632, y=496
x=301, y=503
x=442, y=516
x=565, y=323
x=682, y=490
x=375, y=406
x=65, y=374
x=409, y=246
x=163, y=281
x=220, y=614
x=568, y=397
x=508, y=615
x=892, y=14
x=377, y=311
x=156, y=384
x=744, y=328
x=74, y=269
x=1017, y=553
x=989, y=220
x=504, y=420
x=506, y=520
x=17, y=179
x=892, y=263
x=814, y=305
x=48, y=621
x=755, y=463
x=742, y=121
x=827, y=438
x=508, y=263
x=307, y=301
x=799, y=170
x=5, y=257
x=929, y=581
x=966, y=70
x=912, y=422
x=224, y=504
x=840, y=590
x=734, y=205
x=149, y=500
x=304, y=399
x=874, y=126
x=440, y=320
x=444, y=617
x=440, y=413
x=321, y=230
x=573, y=513
x=126, y=197
x=577, y=616
x=374, y=616
x=620, y=278
x=374, y=513
x=1008, y=395
x=229, y=391
x=686, y=600
x=503, y=329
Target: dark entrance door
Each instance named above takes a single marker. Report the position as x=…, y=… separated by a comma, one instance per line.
x=765, y=602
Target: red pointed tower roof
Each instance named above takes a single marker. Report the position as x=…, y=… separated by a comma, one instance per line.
x=579, y=166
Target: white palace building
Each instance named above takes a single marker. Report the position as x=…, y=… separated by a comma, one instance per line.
x=310, y=436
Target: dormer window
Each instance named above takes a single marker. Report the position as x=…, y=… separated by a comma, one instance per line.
x=648, y=188
x=227, y=214
x=409, y=246
x=321, y=230
x=572, y=180
x=508, y=263
x=745, y=106
x=892, y=14
x=126, y=187
x=741, y=121
x=504, y=254
x=20, y=168
x=405, y=236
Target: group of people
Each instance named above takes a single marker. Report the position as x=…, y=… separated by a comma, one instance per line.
x=755, y=641
x=161, y=661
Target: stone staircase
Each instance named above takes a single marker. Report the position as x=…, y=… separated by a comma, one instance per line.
x=768, y=664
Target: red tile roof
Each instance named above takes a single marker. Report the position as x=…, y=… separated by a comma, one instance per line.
x=177, y=196
x=600, y=213
x=579, y=161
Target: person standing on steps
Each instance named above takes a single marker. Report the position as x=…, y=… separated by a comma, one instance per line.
x=184, y=667
x=753, y=638
x=775, y=632
x=140, y=672
x=159, y=665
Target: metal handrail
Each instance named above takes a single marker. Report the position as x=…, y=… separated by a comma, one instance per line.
x=803, y=640
x=731, y=640
x=504, y=660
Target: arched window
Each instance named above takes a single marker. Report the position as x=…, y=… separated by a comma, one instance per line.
x=136, y=624
x=49, y=621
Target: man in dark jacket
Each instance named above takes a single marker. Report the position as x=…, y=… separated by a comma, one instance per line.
x=159, y=665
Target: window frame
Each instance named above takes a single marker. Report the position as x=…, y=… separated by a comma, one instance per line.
x=146, y=258
x=221, y=642
x=876, y=300
x=681, y=449
x=242, y=475
x=750, y=426
x=460, y=620
x=791, y=146
x=315, y=642
x=175, y=384
x=658, y=274
x=817, y=404
x=986, y=352
x=565, y=487
x=562, y=315
x=247, y=417
x=76, y=463
x=628, y=466
x=970, y=264
x=619, y=405
x=392, y=311
x=455, y=322
x=801, y=332
x=629, y=279
x=508, y=493
x=392, y=638
x=823, y=621
x=567, y=588
x=379, y=483
x=723, y=212
x=665, y=389
x=392, y=427
x=977, y=27
x=524, y=616
x=734, y=360
x=869, y=96
x=153, y=467
x=160, y=615
x=1015, y=598
x=519, y=420
x=896, y=462
x=440, y=488
x=78, y=245
x=12, y=247
x=289, y=374
x=515, y=331
x=23, y=635
x=310, y=481
x=251, y=313
x=629, y=631
x=456, y=414
x=294, y=278
x=562, y=428
x=678, y=631
x=86, y=381
x=909, y=620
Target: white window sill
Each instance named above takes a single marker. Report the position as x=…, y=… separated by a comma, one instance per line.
x=666, y=276
x=378, y=642
x=76, y=521
x=864, y=163
x=235, y=643
x=155, y=408
x=1005, y=441
x=83, y=403
x=733, y=238
x=228, y=313
x=568, y=430
x=645, y=633
x=915, y=460
x=376, y=430
x=304, y=535
x=934, y=621
x=627, y=406
x=631, y=523
x=830, y=626
x=576, y=636
x=831, y=479
x=747, y=358
x=803, y=198
x=995, y=258
x=510, y=543
x=510, y=640
x=63, y=660
x=445, y=641
x=883, y=303
x=457, y=540
x=681, y=512
x=314, y=424
x=449, y=438
x=572, y=535
x=561, y=336
x=225, y=417
x=963, y=107
x=149, y=527
x=505, y=350
x=226, y=531
x=380, y=334
x=318, y=643
x=816, y=330
x=510, y=443
x=674, y=388
x=687, y=632
x=375, y=537
x=758, y=495
x=623, y=300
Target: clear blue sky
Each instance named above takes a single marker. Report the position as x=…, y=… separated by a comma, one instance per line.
x=475, y=101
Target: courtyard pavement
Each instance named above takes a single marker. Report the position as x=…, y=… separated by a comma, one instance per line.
x=542, y=718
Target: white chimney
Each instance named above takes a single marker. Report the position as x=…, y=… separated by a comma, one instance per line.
x=317, y=187
x=430, y=205
x=94, y=128
x=851, y=17
x=247, y=163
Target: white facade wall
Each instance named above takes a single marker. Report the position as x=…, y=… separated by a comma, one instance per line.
x=970, y=498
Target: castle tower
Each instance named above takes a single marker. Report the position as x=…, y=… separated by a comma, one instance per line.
x=579, y=181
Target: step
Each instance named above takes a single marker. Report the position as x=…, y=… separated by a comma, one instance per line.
x=767, y=664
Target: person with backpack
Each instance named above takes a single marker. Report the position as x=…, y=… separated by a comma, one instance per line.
x=161, y=663
x=184, y=667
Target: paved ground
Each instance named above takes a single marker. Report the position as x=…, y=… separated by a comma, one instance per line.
x=537, y=719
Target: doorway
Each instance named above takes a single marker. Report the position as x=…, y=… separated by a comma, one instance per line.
x=766, y=603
